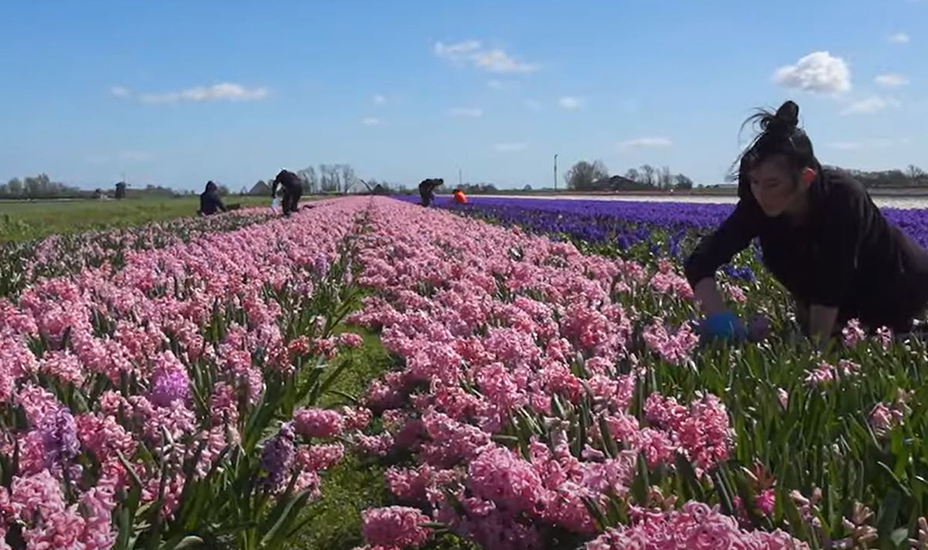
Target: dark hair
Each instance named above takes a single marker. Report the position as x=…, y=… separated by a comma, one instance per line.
x=210, y=185
x=779, y=135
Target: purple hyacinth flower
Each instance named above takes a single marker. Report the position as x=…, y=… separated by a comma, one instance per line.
x=169, y=385
x=277, y=458
x=59, y=437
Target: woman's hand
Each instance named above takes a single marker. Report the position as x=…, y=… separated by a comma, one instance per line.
x=723, y=326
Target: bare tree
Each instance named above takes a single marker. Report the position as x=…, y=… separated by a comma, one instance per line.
x=328, y=178
x=583, y=175
x=633, y=175
x=666, y=178
x=648, y=172
x=308, y=175
x=347, y=176
x=915, y=174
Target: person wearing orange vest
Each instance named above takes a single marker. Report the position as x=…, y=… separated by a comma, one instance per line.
x=459, y=196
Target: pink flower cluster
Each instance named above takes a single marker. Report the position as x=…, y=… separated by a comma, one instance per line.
x=695, y=526
x=177, y=340
x=498, y=330
x=394, y=528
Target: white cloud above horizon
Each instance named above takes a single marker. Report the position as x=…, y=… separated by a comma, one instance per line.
x=472, y=52
x=569, y=103
x=900, y=38
x=644, y=143
x=379, y=99
x=818, y=72
x=370, y=121
x=510, y=147
x=891, y=80
x=871, y=105
x=224, y=91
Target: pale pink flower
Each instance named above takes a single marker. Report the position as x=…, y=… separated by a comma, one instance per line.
x=394, y=527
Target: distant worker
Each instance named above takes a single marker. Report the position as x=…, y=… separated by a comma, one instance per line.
x=821, y=235
x=459, y=196
x=292, y=187
x=427, y=190
x=210, y=203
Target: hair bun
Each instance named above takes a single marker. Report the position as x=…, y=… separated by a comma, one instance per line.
x=787, y=117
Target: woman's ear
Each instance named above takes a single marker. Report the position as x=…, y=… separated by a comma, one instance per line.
x=807, y=176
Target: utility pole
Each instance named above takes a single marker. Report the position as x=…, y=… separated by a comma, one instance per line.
x=460, y=182
x=555, y=173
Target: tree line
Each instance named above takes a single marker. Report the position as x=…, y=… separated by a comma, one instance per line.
x=911, y=176
x=595, y=176
x=33, y=187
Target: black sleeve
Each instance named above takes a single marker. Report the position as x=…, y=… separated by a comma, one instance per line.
x=220, y=204
x=733, y=236
x=851, y=215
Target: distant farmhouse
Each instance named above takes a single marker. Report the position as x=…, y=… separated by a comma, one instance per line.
x=260, y=188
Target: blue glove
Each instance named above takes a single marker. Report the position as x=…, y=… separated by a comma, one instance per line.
x=722, y=326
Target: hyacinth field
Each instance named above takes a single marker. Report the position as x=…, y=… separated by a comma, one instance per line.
x=373, y=374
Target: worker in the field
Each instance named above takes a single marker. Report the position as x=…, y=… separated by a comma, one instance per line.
x=292, y=187
x=459, y=197
x=427, y=190
x=210, y=202
x=821, y=235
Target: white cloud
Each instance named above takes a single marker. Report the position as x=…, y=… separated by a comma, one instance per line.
x=227, y=91
x=900, y=38
x=119, y=91
x=465, y=112
x=533, y=105
x=458, y=51
x=510, y=147
x=498, y=61
x=379, y=99
x=818, y=72
x=644, y=142
x=491, y=60
x=882, y=143
x=870, y=105
x=891, y=80
x=570, y=103
x=370, y=121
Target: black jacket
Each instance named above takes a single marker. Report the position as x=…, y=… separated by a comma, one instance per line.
x=289, y=181
x=210, y=203
x=845, y=254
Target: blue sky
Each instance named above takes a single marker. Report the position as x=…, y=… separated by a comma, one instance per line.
x=176, y=93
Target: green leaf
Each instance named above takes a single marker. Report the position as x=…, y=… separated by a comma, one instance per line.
x=889, y=510
x=612, y=450
x=692, y=490
x=599, y=519
x=274, y=537
x=640, y=485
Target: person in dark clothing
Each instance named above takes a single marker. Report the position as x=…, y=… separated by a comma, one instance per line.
x=210, y=203
x=821, y=236
x=427, y=190
x=292, y=187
